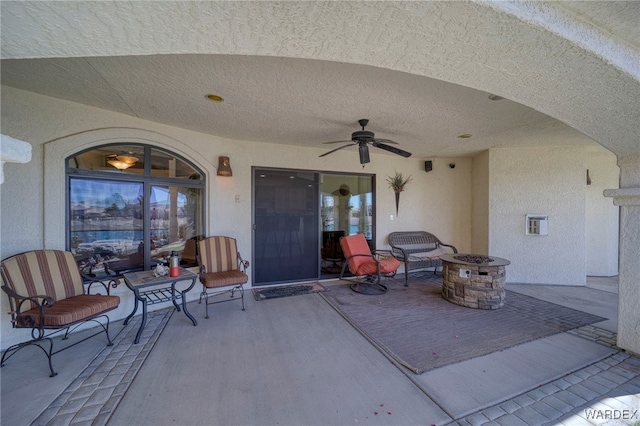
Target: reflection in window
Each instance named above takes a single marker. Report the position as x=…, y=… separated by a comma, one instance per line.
x=173, y=212
x=347, y=204
x=106, y=223
x=115, y=227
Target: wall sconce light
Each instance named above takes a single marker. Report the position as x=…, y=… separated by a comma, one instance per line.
x=224, y=167
x=121, y=162
x=588, y=178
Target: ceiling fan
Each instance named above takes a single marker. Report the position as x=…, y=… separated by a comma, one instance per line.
x=363, y=138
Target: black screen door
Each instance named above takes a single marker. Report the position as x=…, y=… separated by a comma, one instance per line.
x=285, y=226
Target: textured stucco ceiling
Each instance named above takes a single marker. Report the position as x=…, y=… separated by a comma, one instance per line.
x=303, y=73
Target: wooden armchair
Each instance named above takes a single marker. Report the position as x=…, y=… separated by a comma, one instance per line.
x=222, y=269
x=368, y=267
x=46, y=292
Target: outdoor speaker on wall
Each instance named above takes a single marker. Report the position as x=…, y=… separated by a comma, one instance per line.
x=428, y=166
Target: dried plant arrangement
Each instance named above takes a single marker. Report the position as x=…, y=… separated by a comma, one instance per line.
x=397, y=183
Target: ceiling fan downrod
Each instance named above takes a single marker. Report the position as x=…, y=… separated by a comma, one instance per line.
x=362, y=135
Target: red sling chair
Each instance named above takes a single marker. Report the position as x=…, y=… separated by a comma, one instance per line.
x=366, y=266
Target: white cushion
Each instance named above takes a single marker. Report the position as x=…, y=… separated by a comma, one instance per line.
x=428, y=255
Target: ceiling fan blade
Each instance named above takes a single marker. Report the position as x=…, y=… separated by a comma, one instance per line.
x=334, y=150
x=392, y=149
x=364, y=153
x=384, y=141
x=324, y=143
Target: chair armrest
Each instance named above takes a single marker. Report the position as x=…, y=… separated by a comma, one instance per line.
x=347, y=259
x=362, y=254
x=455, y=250
x=112, y=282
x=404, y=256
x=38, y=300
x=202, y=269
x=27, y=321
x=242, y=264
x=111, y=277
x=383, y=253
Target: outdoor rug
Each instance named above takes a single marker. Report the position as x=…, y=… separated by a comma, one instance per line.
x=287, y=290
x=421, y=330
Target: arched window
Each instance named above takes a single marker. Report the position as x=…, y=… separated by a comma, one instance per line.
x=130, y=205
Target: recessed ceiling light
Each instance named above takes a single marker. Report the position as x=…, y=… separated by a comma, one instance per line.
x=495, y=97
x=464, y=136
x=214, y=98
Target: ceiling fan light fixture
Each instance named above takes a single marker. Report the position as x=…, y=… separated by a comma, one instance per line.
x=364, y=153
x=122, y=161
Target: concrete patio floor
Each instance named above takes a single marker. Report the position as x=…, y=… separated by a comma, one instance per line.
x=296, y=361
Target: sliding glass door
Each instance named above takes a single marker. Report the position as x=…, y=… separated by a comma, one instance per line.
x=346, y=206
x=298, y=219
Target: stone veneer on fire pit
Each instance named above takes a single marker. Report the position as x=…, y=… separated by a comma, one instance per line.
x=474, y=281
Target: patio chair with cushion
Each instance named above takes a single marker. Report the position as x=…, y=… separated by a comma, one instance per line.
x=46, y=292
x=222, y=270
x=368, y=267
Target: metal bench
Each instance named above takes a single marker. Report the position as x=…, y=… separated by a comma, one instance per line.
x=47, y=295
x=418, y=250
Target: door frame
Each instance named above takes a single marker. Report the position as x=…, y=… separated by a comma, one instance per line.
x=318, y=225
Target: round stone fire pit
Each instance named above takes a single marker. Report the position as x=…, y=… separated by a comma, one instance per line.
x=473, y=280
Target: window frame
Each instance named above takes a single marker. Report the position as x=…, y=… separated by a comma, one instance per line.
x=146, y=179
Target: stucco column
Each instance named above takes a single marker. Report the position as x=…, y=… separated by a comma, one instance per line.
x=13, y=151
x=628, y=199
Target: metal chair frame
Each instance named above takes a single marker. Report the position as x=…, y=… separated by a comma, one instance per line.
x=208, y=292
x=19, y=305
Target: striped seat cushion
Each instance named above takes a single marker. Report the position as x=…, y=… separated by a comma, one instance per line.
x=222, y=279
x=70, y=310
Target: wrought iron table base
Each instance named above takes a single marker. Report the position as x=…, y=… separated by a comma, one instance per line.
x=139, y=280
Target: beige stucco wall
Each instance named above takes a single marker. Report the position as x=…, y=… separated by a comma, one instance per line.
x=542, y=181
x=480, y=199
x=602, y=216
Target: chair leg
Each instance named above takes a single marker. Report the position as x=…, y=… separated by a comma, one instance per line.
x=15, y=348
x=369, y=289
x=239, y=288
x=206, y=303
x=106, y=330
x=205, y=295
x=370, y=286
